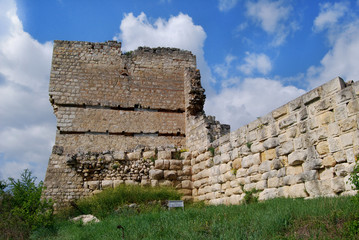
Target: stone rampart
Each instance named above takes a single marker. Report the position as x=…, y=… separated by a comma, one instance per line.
x=305, y=148
x=137, y=118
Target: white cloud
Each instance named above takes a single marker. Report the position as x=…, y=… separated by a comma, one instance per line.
x=27, y=126
x=226, y=5
x=249, y=99
x=272, y=17
x=341, y=59
x=222, y=69
x=178, y=31
x=342, y=28
x=256, y=62
x=330, y=14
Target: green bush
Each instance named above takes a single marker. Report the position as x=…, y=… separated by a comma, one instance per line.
x=21, y=207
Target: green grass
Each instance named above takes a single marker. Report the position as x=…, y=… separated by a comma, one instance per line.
x=322, y=218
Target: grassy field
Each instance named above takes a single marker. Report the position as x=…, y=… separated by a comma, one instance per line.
x=322, y=218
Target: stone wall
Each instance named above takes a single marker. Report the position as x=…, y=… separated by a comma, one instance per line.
x=305, y=148
x=117, y=115
x=137, y=118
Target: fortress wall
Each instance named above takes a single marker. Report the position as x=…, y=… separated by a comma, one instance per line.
x=114, y=109
x=118, y=121
x=305, y=148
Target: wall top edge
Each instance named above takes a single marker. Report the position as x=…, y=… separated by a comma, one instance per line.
x=327, y=89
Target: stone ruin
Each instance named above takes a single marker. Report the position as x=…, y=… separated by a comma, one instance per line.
x=137, y=118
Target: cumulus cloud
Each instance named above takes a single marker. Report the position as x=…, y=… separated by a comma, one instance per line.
x=27, y=126
x=248, y=99
x=256, y=62
x=343, y=37
x=329, y=14
x=272, y=17
x=226, y=5
x=222, y=69
x=178, y=31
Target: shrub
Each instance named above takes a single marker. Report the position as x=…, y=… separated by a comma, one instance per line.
x=21, y=207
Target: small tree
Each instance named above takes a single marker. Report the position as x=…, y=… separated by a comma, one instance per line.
x=21, y=207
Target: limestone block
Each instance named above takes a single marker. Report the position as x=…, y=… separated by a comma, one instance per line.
x=225, y=158
x=353, y=107
x=119, y=155
x=93, y=185
x=265, y=166
x=268, y=193
x=285, y=148
x=187, y=170
x=350, y=156
x=241, y=181
x=237, y=163
x=284, y=160
x=349, y=193
x=311, y=96
x=338, y=184
x=200, y=158
x=297, y=157
x=217, y=159
x=339, y=157
x=287, y=121
x=223, y=168
x=177, y=165
x=253, y=170
x=274, y=182
x=241, y=173
x=251, y=160
x=340, y=112
x=327, y=173
x=261, y=185
x=312, y=164
x=257, y=147
x=187, y=155
x=149, y=154
x=134, y=156
x=107, y=184
x=117, y=183
x=333, y=144
x=293, y=170
x=249, y=186
x=325, y=118
x=229, y=176
x=348, y=124
x=131, y=182
x=235, y=199
x=164, y=154
x=346, y=139
x=215, y=171
x=271, y=143
x=154, y=183
x=297, y=191
x=268, y=154
x=334, y=129
x=162, y=164
x=283, y=191
x=341, y=169
x=344, y=95
x=234, y=183
x=272, y=173
x=170, y=174
x=196, y=168
x=281, y=172
x=295, y=104
x=292, y=179
x=329, y=161
x=279, y=112
x=255, y=178
x=237, y=190
x=156, y=174
x=185, y=192
x=205, y=173
x=325, y=187
x=216, y=187
x=313, y=188
x=323, y=148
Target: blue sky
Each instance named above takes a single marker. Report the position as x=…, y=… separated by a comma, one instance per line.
x=254, y=56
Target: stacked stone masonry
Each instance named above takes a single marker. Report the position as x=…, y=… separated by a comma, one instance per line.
x=137, y=118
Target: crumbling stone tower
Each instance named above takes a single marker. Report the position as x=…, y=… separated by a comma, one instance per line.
x=118, y=113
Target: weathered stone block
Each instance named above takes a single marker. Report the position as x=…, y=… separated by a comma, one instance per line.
x=164, y=155
x=338, y=185
x=156, y=174
x=279, y=112
x=297, y=157
x=298, y=191
x=293, y=170
x=271, y=143
x=268, y=154
x=323, y=148
x=268, y=193
x=170, y=174
x=329, y=161
x=177, y=165
x=237, y=163
x=287, y=121
x=285, y=148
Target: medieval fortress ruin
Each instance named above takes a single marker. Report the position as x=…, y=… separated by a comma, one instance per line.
x=137, y=118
